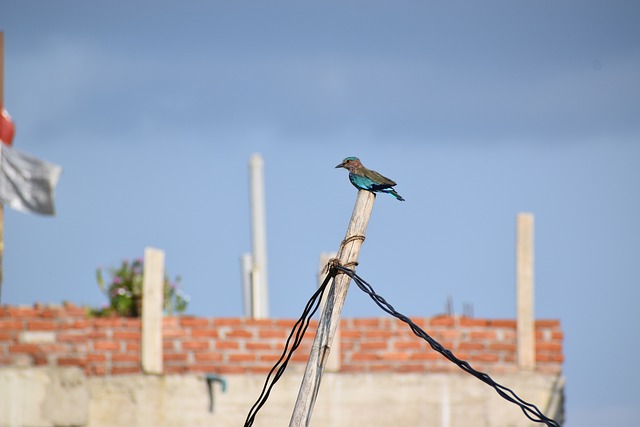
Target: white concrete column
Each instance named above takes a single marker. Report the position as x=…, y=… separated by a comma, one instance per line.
x=258, y=237
x=525, y=291
x=152, y=300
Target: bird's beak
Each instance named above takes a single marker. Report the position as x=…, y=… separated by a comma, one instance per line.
x=341, y=165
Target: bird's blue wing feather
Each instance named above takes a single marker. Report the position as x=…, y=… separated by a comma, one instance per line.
x=361, y=182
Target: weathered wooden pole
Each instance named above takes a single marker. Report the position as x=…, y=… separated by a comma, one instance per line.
x=330, y=318
x=1, y=205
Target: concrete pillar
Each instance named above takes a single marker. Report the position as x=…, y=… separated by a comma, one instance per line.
x=525, y=291
x=333, y=362
x=246, y=265
x=152, y=300
x=258, y=237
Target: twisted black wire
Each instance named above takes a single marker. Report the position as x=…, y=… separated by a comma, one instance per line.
x=531, y=411
x=299, y=328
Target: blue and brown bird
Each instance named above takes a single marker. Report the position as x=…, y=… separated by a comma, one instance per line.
x=366, y=179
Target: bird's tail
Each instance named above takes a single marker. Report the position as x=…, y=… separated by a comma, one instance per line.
x=393, y=193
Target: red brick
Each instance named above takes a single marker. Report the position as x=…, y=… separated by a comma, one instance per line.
x=72, y=337
x=205, y=333
x=170, y=322
x=49, y=313
x=502, y=323
x=266, y=334
x=363, y=357
x=269, y=358
x=242, y=357
x=549, y=347
x=175, y=333
x=425, y=356
x=96, y=370
x=208, y=357
x=467, y=321
x=7, y=335
x=378, y=334
x=10, y=325
x=258, y=346
x=238, y=333
x=227, y=345
x=23, y=312
x=228, y=321
x=96, y=357
x=408, y=345
x=351, y=334
x=71, y=361
x=264, y=323
x=483, y=335
x=194, y=322
x=126, y=335
x=230, y=369
x=125, y=358
x=121, y=370
x=49, y=348
x=410, y=368
x=464, y=346
x=107, y=322
x=132, y=323
x=547, y=323
x=552, y=358
x=176, y=369
x=500, y=346
x=300, y=357
x=366, y=323
x=195, y=345
x=446, y=334
x=82, y=323
x=485, y=357
x=352, y=368
x=106, y=345
x=41, y=325
x=177, y=357
x=442, y=321
x=373, y=345
x=133, y=346
x=24, y=348
x=394, y=355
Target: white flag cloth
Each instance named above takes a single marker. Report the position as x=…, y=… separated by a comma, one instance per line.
x=27, y=183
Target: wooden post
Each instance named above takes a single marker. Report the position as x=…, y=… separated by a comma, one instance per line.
x=1, y=205
x=524, y=291
x=330, y=318
x=152, y=299
x=333, y=363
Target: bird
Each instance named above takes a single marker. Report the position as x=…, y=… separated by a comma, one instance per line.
x=367, y=179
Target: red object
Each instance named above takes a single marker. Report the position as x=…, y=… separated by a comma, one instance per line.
x=7, y=128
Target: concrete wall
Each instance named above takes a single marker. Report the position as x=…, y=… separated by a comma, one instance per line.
x=64, y=397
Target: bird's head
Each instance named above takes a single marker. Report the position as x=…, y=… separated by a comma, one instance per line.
x=350, y=163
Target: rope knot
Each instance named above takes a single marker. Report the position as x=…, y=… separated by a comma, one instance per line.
x=334, y=263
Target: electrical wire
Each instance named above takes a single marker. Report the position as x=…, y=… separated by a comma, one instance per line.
x=299, y=329
x=531, y=411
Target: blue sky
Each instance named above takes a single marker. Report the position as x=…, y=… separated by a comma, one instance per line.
x=479, y=110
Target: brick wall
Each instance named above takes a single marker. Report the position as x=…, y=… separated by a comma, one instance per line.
x=66, y=336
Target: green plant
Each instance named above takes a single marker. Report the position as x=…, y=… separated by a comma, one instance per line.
x=124, y=291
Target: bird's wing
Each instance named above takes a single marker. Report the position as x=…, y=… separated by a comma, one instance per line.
x=381, y=181
x=361, y=182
